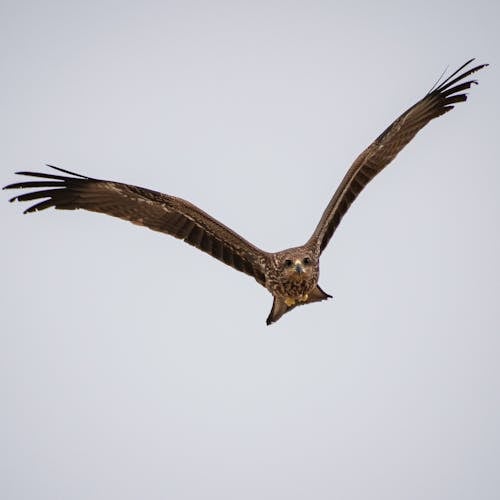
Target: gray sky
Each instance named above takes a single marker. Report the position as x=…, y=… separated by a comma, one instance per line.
x=134, y=366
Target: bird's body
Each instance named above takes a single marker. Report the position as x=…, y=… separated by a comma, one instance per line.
x=290, y=275
x=292, y=278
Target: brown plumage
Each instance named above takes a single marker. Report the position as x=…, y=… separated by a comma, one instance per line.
x=290, y=275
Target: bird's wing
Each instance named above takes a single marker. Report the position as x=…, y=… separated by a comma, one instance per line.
x=159, y=212
x=387, y=145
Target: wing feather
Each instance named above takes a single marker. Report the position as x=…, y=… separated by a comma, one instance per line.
x=157, y=211
x=387, y=145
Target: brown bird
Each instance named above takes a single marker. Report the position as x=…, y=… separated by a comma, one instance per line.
x=290, y=275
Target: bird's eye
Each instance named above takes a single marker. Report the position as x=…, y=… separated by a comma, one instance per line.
x=288, y=263
x=306, y=261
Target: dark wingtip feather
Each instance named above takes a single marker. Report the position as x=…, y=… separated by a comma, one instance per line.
x=67, y=171
x=56, y=183
x=39, y=206
x=53, y=179
x=33, y=195
x=33, y=184
x=41, y=175
x=452, y=79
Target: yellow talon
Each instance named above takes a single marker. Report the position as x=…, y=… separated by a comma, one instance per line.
x=290, y=301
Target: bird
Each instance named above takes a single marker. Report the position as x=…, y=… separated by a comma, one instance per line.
x=290, y=275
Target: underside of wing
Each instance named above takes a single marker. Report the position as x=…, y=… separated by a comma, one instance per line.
x=157, y=211
x=387, y=145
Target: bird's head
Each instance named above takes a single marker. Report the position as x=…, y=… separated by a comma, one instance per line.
x=296, y=265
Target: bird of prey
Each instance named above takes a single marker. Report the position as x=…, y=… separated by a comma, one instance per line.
x=290, y=275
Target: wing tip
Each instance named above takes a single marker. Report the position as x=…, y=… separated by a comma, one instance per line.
x=28, y=210
x=59, y=169
x=456, y=76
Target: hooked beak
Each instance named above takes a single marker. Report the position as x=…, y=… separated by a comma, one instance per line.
x=298, y=267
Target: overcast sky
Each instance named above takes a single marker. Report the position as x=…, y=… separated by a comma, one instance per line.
x=134, y=366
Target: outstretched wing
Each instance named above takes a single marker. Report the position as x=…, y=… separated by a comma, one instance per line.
x=387, y=145
x=159, y=212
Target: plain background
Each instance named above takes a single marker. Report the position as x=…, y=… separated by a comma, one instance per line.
x=134, y=366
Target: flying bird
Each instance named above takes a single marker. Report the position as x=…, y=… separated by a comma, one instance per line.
x=290, y=275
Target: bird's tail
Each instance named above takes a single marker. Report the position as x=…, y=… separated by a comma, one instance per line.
x=280, y=307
